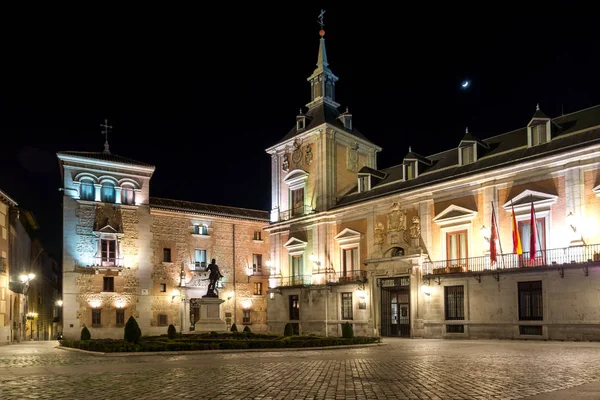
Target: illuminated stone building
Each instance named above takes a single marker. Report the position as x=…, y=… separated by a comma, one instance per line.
x=127, y=254
x=405, y=250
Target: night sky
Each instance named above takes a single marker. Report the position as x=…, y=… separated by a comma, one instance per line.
x=201, y=94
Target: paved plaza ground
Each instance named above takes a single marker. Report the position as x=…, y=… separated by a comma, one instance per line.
x=397, y=369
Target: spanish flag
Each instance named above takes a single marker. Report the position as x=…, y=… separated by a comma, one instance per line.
x=517, y=249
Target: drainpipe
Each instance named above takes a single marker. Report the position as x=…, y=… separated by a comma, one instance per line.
x=234, y=291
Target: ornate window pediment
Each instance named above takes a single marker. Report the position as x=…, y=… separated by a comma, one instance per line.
x=295, y=244
x=348, y=236
x=107, y=230
x=454, y=214
x=296, y=178
x=522, y=202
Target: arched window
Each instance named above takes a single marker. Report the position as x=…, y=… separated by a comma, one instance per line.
x=88, y=191
x=127, y=195
x=108, y=192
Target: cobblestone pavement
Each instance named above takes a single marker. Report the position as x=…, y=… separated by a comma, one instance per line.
x=399, y=369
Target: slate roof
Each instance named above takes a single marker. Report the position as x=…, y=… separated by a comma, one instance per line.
x=105, y=157
x=505, y=149
x=319, y=115
x=374, y=172
x=209, y=209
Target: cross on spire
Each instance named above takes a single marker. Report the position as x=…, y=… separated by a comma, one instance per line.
x=106, y=127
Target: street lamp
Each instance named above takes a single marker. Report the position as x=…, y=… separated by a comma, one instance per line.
x=59, y=303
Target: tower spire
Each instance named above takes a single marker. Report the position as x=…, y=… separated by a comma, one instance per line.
x=322, y=80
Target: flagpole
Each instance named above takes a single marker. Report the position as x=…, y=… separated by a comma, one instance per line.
x=498, y=234
x=537, y=234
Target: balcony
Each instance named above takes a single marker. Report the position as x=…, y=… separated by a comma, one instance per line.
x=108, y=263
x=295, y=212
x=199, y=266
x=576, y=255
x=322, y=278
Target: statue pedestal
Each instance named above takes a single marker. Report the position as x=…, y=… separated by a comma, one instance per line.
x=210, y=315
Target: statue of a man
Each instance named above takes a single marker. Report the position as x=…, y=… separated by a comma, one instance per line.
x=213, y=276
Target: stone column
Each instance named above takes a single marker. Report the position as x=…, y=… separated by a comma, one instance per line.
x=117, y=195
x=98, y=191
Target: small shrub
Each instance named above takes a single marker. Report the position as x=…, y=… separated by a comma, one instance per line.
x=247, y=329
x=347, y=331
x=171, y=331
x=85, y=334
x=289, y=330
x=133, y=333
x=234, y=327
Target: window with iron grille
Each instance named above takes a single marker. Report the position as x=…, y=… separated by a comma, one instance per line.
x=530, y=301
x=347, y=305
x=294, y=307
x=258, y=288
x=246, y=317
x=454, y=301
x=109, y=284
x=96, y=318
x=163, y=320
x=120, y=316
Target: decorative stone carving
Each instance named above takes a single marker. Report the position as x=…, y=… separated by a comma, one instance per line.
x=379, y=235
x=297, y=153
x=308, y=156
x=394, y=237
x=352, y=157
x=285, y=164
x=396, y=218
x=415, y=228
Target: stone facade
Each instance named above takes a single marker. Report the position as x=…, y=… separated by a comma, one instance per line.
x=138, y=259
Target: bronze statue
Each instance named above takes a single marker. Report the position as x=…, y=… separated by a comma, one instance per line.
x=213, y=277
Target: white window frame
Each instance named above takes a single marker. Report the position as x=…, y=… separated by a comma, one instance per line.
x=530, y=133
x=455, y=228
x=460, y=153
x=361, y=179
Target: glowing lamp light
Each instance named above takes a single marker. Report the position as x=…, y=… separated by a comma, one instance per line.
x=485, y=233
x=23, y=278
x=271, y=295
x=31, y=276
x=95, y=303
x=361, y=294
x=230, y=295
x=120, y=303
x=426, y=289
x=249, y=271
x=269, y=264
x=59, y=303
x=313, y=258
x=246, y=304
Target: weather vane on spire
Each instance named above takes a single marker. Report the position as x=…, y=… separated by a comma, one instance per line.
x=106, y=127
x=320, y=21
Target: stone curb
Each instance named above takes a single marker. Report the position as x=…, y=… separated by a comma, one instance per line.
x=189, y=352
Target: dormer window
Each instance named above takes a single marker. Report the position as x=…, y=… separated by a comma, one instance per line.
x=364, y=183
x=538, y=129
x=467, y=154
x=538, y=134
x=348, y=122
x=410, y=170
x=300, y=124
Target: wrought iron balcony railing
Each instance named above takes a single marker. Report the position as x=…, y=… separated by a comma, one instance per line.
x=547, y=257
x=321, y=278
x=108, y=262
x=199, y=266
x=295, y=213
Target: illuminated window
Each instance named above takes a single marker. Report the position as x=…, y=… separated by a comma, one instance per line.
x=349, y=260
x=200, y=256
x=127, y=195
x=456, y=248
x=258, y=288
x=109, y=252
x=88, y=190
x=200, y=230
x=411, y=170
x=297, y=264
x=256, y=264
x=246, y=317
x=108, y=192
